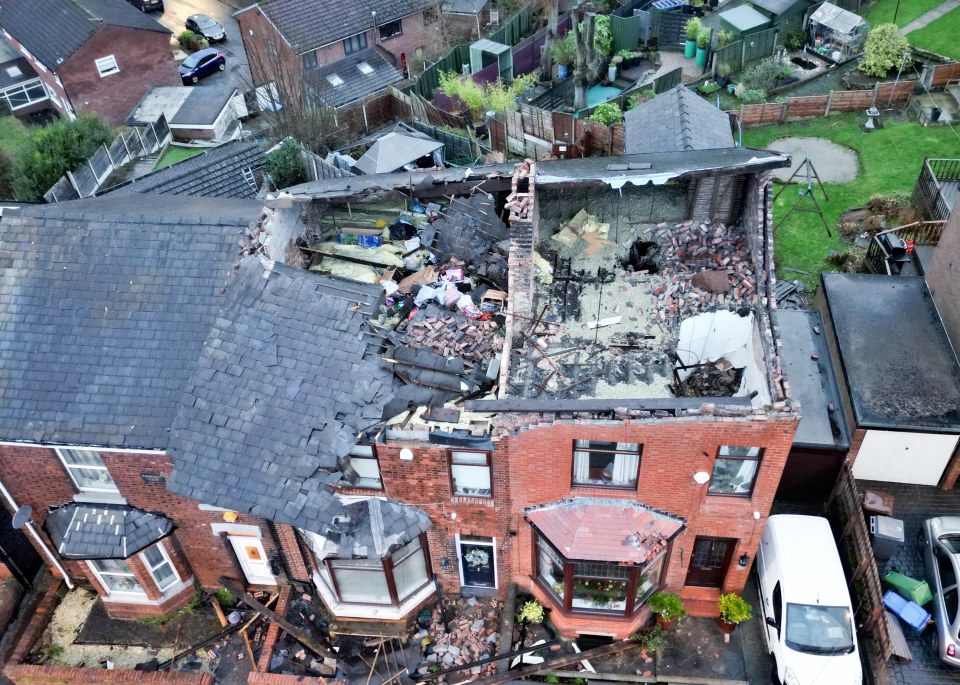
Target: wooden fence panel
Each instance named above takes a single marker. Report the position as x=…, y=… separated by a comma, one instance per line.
x=498, y=135
x=617, y=142
x=731, y=54
x=895, y=92
x=944, y=73
x=807, y=106
x=850, y=100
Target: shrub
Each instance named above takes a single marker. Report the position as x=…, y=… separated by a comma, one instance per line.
x=753, y=96
x=795, y=40
x=531, y=612
x=651, y=639
x=724, y=69
x=607, y=114
x=563, y=49
x=53, y=150
x=764, y=75
x=885, y=49
x=225, y=597
x=724, y=38
x=6, y=176
x=693, y=28
x=185, y=39
x=602, y=36
x=480, y=98
x=703, y=37
x=199, y=43
x=285, y=165
x=733, y=608
x=667, y=605
x=638, y=99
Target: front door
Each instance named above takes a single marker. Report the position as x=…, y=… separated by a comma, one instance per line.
x=708, y=564
x=253, y=559
x=477, y=562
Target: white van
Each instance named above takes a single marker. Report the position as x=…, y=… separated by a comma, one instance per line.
x=805, y=604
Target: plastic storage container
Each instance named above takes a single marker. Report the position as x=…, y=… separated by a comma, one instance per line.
x=915, y=590
x=886, y=534
x=909, y=612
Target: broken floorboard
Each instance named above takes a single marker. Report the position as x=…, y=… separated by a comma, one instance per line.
x=559, y=662
x=294, y=632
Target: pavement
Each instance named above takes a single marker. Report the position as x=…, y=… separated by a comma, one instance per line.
x=833, y=163
x=929, y=17
x=237, y=73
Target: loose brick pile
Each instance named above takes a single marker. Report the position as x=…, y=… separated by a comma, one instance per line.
x=472, y=339
x=704, y=267
x=472, y=636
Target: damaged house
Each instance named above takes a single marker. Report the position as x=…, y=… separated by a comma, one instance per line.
x=563, y=375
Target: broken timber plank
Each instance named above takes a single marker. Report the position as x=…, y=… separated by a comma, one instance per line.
x=609, y=321
x=551, y=664
x=291, y=629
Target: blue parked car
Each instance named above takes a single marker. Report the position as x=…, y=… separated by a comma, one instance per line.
x=200, y=64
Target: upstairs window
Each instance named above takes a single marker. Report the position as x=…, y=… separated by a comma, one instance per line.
x=87, y=471
x=394, y=28
x=470, y=474
x=354, y=43
x=310, y=60
x=363, y=459
x=107, y=66
x=735, y=471
x=606, y=464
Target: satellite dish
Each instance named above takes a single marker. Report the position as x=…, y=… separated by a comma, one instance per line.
x=701, y=477
x=22, y=515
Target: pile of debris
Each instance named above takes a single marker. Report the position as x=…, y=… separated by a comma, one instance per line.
x=454, y=335
x=705, y=266
x=585, y=226
x=718, y=379
x=471, y=636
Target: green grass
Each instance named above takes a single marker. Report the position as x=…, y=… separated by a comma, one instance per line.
x=177, y=154
x=940, y=36
x=889, y=161
x=881, y=12
x=13, y=134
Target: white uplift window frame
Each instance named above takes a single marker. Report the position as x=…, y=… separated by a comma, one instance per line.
x=83, y=466
x=153, y=566
x=107, y=66
x=105, y=576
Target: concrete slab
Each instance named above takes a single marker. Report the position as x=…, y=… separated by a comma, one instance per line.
x=834, y=163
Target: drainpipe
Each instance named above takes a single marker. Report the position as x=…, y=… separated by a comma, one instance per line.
x=36, y=536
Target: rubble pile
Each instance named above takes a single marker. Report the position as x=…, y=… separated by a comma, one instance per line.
x=705, y=266
x=712, y=380
x=472, y=635
x=451, y=334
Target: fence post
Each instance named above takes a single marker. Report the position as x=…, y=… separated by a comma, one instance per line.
x=109, y=157
x=876, y=89
x=783, y=110
x=829, y=102
x=69, y=175
x=366, y=123
x=741, y=115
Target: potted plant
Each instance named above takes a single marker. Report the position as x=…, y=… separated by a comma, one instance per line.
x=615, y=62
x=723, y=73
x=531, y=612
x=693, y=31
x=563, y=51
x=698, y=7
x=703, y=42
x=629, y=59
x=668, y=608
x=733, y=611
x=724, y=38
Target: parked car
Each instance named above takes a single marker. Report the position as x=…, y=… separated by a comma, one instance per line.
x=941, y=554
x=201, y=64
x=205, y=26
x=147, y=5
x=807, y=614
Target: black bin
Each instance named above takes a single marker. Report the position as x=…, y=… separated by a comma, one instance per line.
x=886, y=535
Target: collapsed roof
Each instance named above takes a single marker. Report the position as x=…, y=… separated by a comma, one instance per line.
x=371, y=529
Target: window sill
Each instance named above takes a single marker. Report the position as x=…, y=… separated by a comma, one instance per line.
x=99, y=498
x=373, y=611
x=475, y=500
x=141, y=598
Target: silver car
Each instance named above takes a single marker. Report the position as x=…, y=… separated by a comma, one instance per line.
x=941, y=553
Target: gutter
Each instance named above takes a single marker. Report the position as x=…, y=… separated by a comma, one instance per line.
x=36, y=536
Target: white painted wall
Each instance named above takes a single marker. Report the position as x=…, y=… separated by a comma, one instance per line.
x=899, y=457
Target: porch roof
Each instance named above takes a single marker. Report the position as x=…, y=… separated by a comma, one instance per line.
x=104, y=531
x=602, y=529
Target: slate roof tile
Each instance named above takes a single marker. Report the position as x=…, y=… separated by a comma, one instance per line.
x=675, y=121
x=104, y=531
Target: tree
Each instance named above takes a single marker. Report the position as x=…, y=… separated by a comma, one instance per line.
x=6, y=176
x=285, y=164
x=546, y=57
x=52, y=151
x=885, y=49
x=587, y=61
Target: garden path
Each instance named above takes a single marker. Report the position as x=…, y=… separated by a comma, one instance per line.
x=929, y=17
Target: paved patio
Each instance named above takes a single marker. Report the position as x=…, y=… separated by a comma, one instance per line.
x=913, y=504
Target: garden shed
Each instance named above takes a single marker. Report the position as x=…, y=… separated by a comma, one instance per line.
x=485, y=52
x=743, y=20
x=836, y=33
x=784, y=12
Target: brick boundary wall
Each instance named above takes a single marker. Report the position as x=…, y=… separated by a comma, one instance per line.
x=273, y=632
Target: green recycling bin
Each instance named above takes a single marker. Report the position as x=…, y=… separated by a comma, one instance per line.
x=915, y=590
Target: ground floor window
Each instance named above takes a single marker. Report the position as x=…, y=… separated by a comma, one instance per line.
x=596, y=586
x=115, y=576
x=24, y=94
x=379, y=581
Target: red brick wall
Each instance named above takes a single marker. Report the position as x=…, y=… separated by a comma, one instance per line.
x=48, y=78
x=258, y=33
x=35, y=476
x=145, y=60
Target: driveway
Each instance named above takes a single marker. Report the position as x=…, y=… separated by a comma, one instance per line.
x=237, y=72
x=913, y=504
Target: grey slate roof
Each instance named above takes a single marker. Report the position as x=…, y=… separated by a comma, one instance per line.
x=203, y=105
x=894, y=352
x=310, y=24
x=282, y=390
x=778, y=7
x=104, y=307
x=464, y=6
x=104, y=531
x=373, y=528
x=356, y=84
x=27, y=72
x=675, y=121
x=52, y=30
x=218, y=172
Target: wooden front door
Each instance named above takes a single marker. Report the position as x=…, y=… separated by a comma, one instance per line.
x=253, y=559
x=708, y=564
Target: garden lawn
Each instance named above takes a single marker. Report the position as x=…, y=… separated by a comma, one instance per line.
x=13, y=134
x=889, y=160
x=881, y=12
x=176, y=154
x=940, y=36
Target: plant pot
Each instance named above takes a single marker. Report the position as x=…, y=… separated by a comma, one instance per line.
x=689, y=48
x=664, y=624
x=722, y=81
x=701, y=57
x=726, y=628
x=612, y=73
x=563, y=71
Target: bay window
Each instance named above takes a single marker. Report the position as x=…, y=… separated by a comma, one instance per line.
x=160, y=567
x=606, y=464
x=735, y=471
x=379, y=581
x=597, y=587
x=115, y=576
x=470, y=473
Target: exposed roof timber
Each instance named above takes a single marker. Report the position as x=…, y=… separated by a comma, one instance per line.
x=601, y=405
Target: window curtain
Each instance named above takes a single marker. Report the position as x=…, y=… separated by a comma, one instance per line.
x=581, y=461
x=625, y=464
